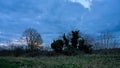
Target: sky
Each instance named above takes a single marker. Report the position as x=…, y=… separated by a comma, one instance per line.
x=51, y=18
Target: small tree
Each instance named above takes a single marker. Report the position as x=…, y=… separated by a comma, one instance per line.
x=32, y=38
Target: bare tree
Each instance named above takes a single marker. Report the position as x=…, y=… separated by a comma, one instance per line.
x=32, y=37
x=107, y=40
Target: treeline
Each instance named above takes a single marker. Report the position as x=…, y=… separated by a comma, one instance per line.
x=72, y=43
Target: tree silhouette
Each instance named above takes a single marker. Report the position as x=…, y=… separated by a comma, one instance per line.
x=32, y=38
x=71, y=43
x=66, y=41
x=74, y=39
x=57, y=45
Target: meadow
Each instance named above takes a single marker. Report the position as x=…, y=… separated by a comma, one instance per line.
x=84, y=61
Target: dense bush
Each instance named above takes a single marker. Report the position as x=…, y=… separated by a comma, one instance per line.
x=71, y=44
x=57, y=45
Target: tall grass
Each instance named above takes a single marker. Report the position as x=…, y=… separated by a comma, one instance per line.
x=86, y=61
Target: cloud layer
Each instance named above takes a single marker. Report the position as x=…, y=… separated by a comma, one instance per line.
x=54, y=17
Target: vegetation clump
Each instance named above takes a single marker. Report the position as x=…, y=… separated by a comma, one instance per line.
x=72, y=43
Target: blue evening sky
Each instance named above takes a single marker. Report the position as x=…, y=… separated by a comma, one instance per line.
x=52, y=18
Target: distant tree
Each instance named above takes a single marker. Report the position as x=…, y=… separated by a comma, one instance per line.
x=66, y=41
x=57, y=45
x=81, y=42
x=75, y=38
x=107, y=40
x=32, y=37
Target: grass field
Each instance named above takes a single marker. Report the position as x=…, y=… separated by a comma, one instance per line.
x=87, y=61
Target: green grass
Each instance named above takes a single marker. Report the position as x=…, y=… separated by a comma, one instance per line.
x=87, y=61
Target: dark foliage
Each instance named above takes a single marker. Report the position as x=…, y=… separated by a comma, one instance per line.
x=22, y=52
x=75, y=38
x=16, y=51
x=71, y=44
x=57, y=45
x=66, y=41
x=83, y=47
x=107, y=51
